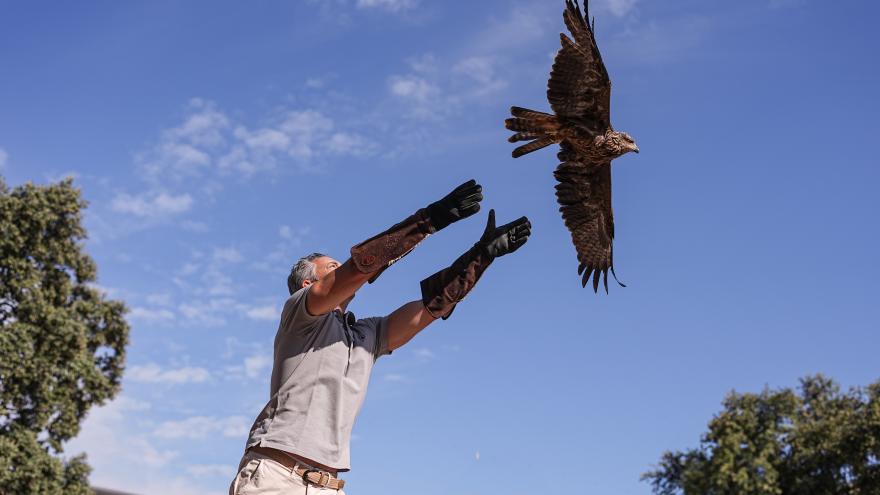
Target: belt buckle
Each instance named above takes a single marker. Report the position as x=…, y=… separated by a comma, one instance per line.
x=321, y=474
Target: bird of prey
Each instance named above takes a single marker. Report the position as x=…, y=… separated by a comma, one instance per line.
x=579, y=92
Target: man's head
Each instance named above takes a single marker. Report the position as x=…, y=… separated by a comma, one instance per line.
x=309, y=269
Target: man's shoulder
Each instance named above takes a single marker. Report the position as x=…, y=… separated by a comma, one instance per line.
x=295, y=313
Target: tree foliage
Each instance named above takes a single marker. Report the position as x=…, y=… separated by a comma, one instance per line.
x=62, y=342
x=816, y=441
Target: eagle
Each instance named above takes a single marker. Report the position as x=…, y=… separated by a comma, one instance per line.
x=579, y=92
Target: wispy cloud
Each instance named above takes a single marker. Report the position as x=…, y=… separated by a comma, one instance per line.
x=254, y=365
x=395, y=378
x=151, y=315
x=227, y=255
x=152, y=204
x=424, y=354
x=658, y=41
x=199, y=427
x=256, y=360
x=123, y=457
x=153, y=373
x=210, y=470
x=618, y=8
x=4, y=156
x=210, y=143
x=209, y=150
x=434, y=90
x=268, y=312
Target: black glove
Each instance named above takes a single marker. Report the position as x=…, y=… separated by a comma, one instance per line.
x=498, y=241
x=462, y=202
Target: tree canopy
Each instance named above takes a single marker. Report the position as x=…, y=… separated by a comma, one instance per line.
x=62, y=342
x=813, y=441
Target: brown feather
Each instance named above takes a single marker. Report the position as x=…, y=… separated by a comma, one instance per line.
x=533, y=146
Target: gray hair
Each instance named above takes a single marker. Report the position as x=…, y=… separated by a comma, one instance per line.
x=303, y=270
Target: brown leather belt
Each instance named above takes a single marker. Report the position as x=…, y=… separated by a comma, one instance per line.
x=304, y=471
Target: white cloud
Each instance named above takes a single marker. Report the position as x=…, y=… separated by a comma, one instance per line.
x=483, y=73
x=152, y=205
x=206, y=313
x=199, y=427
x=343, y=143
x=210, y=470
x=123, y=458
x=160, y=299
x=227, y=255
x=269, y=312
x=306, y=129
x=212, y=146
x=395, y=377
x=618, y=8
x=254, y=365
x=658, y=42
x=152, y=315
x=204, y=126
x=434, y=89
x=4, y=156
x=413, y=87
x=263, y=139
x=424, y=353
x=521, y=26
x=153, y=373
x=390, y=5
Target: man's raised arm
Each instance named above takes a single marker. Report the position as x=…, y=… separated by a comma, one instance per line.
x=371, y=257
x=446, y=288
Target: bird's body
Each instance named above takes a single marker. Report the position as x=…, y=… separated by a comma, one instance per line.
x=579, y=92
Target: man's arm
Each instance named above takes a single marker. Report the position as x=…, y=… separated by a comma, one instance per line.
x=443, y=290
x=371, y=257
x=405, y=322
x=334, y=288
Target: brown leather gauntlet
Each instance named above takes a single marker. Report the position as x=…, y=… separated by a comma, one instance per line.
x=381, y=251
x=444, y=289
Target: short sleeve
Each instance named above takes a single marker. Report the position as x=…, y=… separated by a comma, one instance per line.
x=295, y=317
x=377, y=330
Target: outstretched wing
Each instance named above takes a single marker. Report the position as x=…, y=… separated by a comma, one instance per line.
x=584, y=195
x=579, y=88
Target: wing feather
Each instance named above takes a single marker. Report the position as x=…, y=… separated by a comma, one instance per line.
x=579, y=88
x=584, y=196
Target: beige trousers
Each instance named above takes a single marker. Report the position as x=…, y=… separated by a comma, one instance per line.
x=260, y=475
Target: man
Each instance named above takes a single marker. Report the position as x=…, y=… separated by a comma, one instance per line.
x=323, y=355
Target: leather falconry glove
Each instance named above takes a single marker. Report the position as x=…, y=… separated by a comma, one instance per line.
x=381, y=251
x=444, y=289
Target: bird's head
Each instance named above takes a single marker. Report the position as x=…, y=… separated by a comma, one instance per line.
x=621, y=143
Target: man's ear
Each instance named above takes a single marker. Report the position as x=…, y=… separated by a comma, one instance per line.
x=306, y=283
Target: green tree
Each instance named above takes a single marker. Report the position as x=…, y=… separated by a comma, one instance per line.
x=62, y=343
x=816, y=441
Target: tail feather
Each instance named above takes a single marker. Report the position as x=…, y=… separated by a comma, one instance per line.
x=531, y=125
x=527, y=125
x=533, y=146
x=525, y=113
x=524, y=136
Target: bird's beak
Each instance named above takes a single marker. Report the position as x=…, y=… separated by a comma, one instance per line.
x=636, y=149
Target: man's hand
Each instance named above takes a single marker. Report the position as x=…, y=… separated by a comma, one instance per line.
x=461, y=203
x=498, y=241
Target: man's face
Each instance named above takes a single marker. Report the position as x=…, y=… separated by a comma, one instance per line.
x=323, y=266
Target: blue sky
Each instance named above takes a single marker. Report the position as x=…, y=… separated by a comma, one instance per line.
x=219, y=141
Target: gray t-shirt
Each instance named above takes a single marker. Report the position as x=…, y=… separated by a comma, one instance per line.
x=319, y=379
